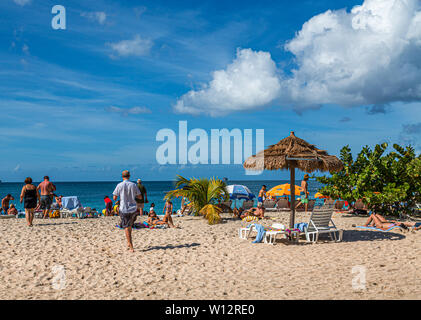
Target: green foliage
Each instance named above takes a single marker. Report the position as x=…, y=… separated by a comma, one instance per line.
x=203, y=194
x=389, y=183
x=212, y=213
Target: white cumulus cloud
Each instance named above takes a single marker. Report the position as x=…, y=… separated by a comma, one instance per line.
x=369, y=56
x=249, y=82
x=136, y=47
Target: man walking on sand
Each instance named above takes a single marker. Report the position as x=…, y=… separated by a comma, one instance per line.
x=47, y=189
x=128, y=192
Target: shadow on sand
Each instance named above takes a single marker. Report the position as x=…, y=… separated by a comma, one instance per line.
x=370, y=235
x=187, y=245
x=52, y=224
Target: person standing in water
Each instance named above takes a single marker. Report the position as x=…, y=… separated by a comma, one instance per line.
x=128, y=192
x=304, y=189
x=29, y=196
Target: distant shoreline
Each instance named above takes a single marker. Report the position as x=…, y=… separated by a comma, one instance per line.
x=148, y=181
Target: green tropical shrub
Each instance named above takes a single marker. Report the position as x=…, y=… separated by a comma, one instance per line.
x=389, y=183
x=203, y=194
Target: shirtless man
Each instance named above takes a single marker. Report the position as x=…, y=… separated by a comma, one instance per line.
x=46, y=189
x=262, y=195
x=5, y=202
x=304, y=189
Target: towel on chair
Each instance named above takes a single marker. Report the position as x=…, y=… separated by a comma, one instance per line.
x=374, y=228
x=260, y=232
x=300, y=226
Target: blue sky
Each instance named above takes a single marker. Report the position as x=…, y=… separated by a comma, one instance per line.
x=86, y=102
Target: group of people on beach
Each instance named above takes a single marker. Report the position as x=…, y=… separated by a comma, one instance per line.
x=33, y=198
x=259, y=211
x=132, y=199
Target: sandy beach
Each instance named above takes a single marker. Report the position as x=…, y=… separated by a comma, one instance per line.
x=200, y=261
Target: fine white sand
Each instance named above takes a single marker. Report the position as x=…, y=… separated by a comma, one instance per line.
x=200, y=261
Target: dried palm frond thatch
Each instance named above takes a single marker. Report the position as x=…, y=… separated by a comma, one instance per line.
x=293, y=152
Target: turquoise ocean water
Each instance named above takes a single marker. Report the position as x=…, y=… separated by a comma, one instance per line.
x=91, y=194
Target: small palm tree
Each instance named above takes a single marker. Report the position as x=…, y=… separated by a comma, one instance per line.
x=203, y=194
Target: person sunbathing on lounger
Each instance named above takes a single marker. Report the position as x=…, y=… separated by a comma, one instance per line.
x=380, y=222
x=257, y=212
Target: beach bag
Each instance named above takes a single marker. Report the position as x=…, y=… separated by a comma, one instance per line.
x=54, y=214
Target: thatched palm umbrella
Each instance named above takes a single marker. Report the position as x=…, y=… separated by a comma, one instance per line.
x=291, y=153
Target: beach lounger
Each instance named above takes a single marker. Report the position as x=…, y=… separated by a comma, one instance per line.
x=320, y=222
x=248, y=204
x=270, y=205
x=244, y=233
x=227, y=203
x=282, y=205
x=310, y=206
x=226, y=206
x=270, y=236
x=329, y=203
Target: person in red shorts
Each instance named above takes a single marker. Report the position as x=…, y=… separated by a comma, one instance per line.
x=108, y=206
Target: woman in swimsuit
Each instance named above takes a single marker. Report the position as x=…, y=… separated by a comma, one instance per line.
x=30, y=196
x=153, y=219
x=380, y=222
x=167, y=214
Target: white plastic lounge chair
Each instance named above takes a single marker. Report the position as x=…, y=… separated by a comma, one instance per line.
x=271, y=235
x=319, y=223
x=244, y=233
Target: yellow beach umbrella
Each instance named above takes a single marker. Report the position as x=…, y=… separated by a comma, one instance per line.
x=318, y=195
x=282, y=190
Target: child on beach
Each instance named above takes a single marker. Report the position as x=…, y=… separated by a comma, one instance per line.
x=152, y=208
x=116, y=209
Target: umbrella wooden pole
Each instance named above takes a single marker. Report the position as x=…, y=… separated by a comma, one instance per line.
x=292, y=188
